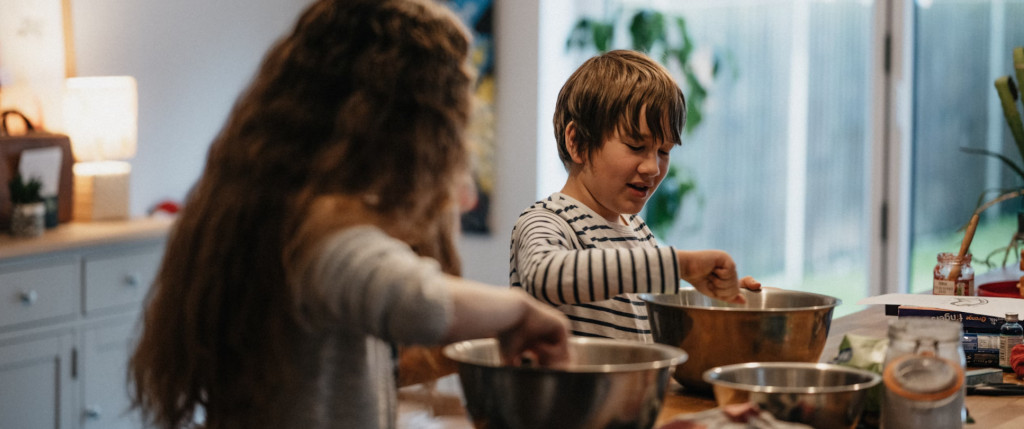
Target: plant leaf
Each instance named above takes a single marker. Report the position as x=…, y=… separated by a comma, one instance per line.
x=603, y=34
x=1007, y=92
x=1009, y=163
x=647, y=29
x=579, y=36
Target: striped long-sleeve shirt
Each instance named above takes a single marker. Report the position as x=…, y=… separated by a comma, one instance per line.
x=565, y=254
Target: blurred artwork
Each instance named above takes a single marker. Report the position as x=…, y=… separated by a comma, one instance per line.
x=33, y=59
x=478, y=17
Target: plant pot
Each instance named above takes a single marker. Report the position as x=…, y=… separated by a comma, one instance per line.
x=28, y=220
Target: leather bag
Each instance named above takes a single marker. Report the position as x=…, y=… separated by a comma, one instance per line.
x=11, y=148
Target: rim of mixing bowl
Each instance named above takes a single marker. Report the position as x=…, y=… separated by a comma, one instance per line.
x=652, y=298
x=710, y=377
x=675, y=356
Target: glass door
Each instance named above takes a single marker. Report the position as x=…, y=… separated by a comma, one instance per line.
x=781, y=160
x=960, y=48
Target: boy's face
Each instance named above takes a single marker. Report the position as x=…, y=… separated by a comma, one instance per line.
x=620, y=176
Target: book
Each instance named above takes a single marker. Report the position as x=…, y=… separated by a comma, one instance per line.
x=971, y=322
x=981, y=350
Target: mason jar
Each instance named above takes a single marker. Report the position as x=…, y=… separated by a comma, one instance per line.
x=923, y=375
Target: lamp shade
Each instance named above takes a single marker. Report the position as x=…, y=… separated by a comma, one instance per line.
x=101, y=117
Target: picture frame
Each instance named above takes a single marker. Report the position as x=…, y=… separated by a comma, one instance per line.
x=478, y=17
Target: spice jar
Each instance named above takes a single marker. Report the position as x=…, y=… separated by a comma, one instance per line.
x=963, y=285
x=923, y=375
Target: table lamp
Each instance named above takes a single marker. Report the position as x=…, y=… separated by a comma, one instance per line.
x=101, y=119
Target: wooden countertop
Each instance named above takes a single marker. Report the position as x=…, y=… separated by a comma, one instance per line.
x=442, y=407
x=989, y=412
x=75, y=235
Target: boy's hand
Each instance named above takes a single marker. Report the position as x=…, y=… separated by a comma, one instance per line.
x=713, y=273
x=749, y=283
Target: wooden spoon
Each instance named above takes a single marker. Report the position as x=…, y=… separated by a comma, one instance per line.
x=954, y=273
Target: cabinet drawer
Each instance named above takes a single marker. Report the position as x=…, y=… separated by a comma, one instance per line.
x=119, y=279
x=38, y=293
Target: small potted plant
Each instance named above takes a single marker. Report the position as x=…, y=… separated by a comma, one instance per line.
x=28, y=212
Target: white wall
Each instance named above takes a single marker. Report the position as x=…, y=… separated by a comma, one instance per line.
x=532, y=65
x=192, y=58
x=485, y=257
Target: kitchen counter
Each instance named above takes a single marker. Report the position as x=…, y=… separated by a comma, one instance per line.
x=989, y=412
x=440, y=407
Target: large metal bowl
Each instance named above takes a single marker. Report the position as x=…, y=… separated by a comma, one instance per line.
x=775, y=325
x=608, y=384
x=820, y=395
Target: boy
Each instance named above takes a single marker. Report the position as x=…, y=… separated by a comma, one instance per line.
x=585, y=249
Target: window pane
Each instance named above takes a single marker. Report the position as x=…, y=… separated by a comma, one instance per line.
x=961, y=47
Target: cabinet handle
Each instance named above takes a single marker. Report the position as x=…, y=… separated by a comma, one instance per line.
x=93, y=413
x=30, y=297
x=131, y=280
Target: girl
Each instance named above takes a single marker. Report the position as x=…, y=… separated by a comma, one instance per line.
x=319, y=236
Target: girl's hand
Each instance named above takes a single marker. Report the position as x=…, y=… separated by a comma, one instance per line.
x=542, y=335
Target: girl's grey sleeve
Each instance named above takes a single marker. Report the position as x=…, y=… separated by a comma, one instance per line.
x=376, y=284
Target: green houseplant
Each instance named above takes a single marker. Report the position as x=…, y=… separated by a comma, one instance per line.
x=665, y=38
x=1009, y=96
x=27, y=208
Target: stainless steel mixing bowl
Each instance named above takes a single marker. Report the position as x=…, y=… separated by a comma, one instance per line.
x=775, y=325
x=608, y=384
x=820, y=395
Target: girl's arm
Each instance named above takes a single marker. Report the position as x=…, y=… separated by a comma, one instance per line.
x=521, y=323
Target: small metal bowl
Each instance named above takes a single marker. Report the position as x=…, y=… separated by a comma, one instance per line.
x=774, y=325
x=817, y=394
x=607, y=384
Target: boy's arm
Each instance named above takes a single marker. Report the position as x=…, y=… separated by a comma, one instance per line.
x=553, y=270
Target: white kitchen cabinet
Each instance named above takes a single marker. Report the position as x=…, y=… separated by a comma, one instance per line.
x=70, y=303
x=35, y=380
x=104, y=398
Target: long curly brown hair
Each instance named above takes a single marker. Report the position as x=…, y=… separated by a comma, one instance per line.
x=363, y=105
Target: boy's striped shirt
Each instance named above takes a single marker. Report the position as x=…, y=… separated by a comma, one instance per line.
x=565, y=254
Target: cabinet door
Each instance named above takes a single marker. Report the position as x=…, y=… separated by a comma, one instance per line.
x=36, y=385
x=104, y=365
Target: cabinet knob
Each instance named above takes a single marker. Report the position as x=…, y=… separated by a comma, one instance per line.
x=131, y=280
x=30, y=297
x=93, y=413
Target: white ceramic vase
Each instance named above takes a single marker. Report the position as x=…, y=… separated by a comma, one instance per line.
x=28, y=220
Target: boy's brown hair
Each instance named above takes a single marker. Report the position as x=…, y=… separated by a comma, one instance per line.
x=611, y=91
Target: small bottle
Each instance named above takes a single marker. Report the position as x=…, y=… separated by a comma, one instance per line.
x=1010, y=334
x=963, y=285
